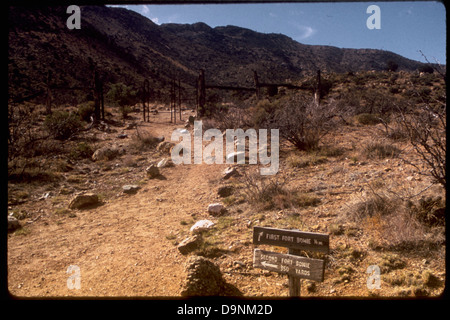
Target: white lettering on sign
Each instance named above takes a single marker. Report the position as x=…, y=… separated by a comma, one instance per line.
x=287, y=238
x=268, y=258
x=287, y=261
x=272, y=236
x=302, y=272
x=302, y=264
x=303, y=240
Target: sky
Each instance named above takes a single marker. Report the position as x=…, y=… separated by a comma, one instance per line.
x=404, y=27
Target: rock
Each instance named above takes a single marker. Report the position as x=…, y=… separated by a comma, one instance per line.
x=122, y=136
x=165, y=147
x=230, y=172
x=205, y=279
x=13, y=224
x=130, y=188
x=165, y=163
x=189, y=244
x=201, y=226
x=310, y=286
x=107, y=153
x=81, y=201
x=152, y=171
x=225, y=191
x=215, y=209
x=130, y=126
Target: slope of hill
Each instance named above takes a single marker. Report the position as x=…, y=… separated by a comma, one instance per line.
x=127, y=47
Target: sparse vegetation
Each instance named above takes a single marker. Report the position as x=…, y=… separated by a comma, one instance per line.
x=62, y=124
x=342, y=172
x=381, y=150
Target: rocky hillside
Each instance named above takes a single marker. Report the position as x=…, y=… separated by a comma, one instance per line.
x=127, y=47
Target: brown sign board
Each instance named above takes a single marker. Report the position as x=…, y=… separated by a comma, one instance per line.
x=295, y=266
x=308, y=241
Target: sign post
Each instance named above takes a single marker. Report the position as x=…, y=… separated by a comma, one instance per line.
x=293, y=264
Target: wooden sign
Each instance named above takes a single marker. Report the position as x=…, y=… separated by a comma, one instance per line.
x=308, y=241
x=292, y=265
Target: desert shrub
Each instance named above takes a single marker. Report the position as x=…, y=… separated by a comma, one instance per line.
x=273, y=193
x=368, y=118
x=381, y=150
x=86, y=110
x=266, y=192
x=263, y=112
x=144, y=140
x=428, y=210
x=303, y=161
x=81, y=151
x=122, y=96
x=303, y=123
x=375, y=204
x=229, y=118
x=425, y=126
x=426, y=68
x=62, y=124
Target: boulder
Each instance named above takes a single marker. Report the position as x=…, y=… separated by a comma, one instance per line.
x=189, y=244
x=107, y=153
x=13, y=224
x=205, y=279
x=165, y=163
x=85, y=200
x=201, y=225
x=216, y=209
x=165, y=147
x=152, y=171
x=130, y=188
x=225, y=191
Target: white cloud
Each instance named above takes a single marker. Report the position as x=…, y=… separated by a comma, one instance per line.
x=155, y=20
x=306, y=32
x=145, y=10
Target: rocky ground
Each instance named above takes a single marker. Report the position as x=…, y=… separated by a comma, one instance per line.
x=127, y=242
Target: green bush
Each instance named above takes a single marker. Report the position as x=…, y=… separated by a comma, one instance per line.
x=82, y=151
x=62, y=124
x=86, y=110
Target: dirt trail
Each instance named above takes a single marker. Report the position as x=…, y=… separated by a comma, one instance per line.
x=122, y=248
x=127, y=246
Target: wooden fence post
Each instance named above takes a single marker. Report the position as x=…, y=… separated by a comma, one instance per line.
x=48, y=99
x=255, y=77
x=179, y=97
x=295, y=283
x=96, y=96
x=201, y=92
x=146, y=99
x=318, y=88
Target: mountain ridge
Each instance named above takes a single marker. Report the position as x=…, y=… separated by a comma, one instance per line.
x=128, y=47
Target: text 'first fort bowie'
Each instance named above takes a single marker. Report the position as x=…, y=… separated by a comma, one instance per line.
x=235, y=139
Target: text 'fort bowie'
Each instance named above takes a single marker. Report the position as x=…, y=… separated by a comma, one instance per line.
x=288, y=238
x=292, y=239
x=296, y=266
